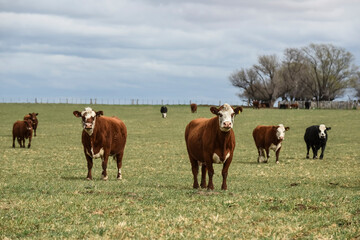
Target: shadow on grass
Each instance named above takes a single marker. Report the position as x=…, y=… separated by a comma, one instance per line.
x=72, y=178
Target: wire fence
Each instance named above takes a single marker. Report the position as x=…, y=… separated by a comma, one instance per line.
x=131, y=101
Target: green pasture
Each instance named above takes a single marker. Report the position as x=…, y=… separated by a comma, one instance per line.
x=44, y=193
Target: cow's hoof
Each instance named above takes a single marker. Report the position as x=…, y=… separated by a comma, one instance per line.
x=277, y=162
x=89, y=179
x=105, y=178
x=119, y=177
x=307, y=157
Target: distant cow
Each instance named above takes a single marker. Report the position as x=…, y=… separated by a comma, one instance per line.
x=256, y=104
x=163, y=111
x=294, y=106
x=193, y=107
x=21, y=131
x=102, y=137
x=283, y=106
x=211, y=141
x=269, y=137
x=307, y=105
x=34, y=120
x=316, y=138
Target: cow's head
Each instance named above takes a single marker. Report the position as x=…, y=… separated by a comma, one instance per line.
x=226, y=116
x=280, y=131
x=88, y=117
x=29, y=124
x=322, y=131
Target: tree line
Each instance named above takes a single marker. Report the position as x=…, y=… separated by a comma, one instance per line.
x=318, y=72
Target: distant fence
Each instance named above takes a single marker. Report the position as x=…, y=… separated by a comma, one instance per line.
x=328, y=104
x=131, y=101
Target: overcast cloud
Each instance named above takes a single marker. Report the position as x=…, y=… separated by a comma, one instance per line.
x=156, y=49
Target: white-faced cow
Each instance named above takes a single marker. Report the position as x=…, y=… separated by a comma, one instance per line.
x=33, y=118
x=269, y=137
x=102, y=137
x=163, y=111
x=316, y=138
x=211, y=141
x=21, y=131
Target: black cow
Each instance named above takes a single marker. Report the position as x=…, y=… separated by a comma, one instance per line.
x=163, y=111
x=316, y=137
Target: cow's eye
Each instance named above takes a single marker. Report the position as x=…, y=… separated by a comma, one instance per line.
x=220, y=115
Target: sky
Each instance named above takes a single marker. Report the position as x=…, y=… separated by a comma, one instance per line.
x=156, y=49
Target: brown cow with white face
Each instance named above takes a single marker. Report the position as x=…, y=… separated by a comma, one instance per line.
x=21, y=131
x=33, y=118
x=269, y=137
x=102, y=137
x=211, y=141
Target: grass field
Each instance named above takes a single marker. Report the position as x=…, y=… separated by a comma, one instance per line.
x=44, y=193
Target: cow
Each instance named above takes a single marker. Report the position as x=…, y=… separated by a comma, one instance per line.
x=307, y=105
x=283, y=106
x=163, y=111
x=193, y=107
x=34, y=120
x=21, y=131
x=211, y=141
x=269, y=137
x=256, y=104
x=294, y=106
x=316, y=137
x=102, y=137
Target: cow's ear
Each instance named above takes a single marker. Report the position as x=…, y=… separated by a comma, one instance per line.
x=287, y=128
x=238, y=110
x=37, y=114
x=328, y=128
x=30, y=114
x=77, y=113
x=214, y=110
x=99, y=113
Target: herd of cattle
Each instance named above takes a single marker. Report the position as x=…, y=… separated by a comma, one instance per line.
x=208, y=141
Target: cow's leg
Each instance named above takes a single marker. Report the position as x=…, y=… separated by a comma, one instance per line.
x=13, y=141
x=277, y=155
x=203, y=176
x=22, y=142
x=322, y=151
x=195, y=170
x=104, y=166
x=307, y=150
x=315, y=150
x=29, y=142
x=34, y=131
x=19, y=141
x=119, y=164
x=210, y=169
x=267, y=150
x=225, y=172
x=89, y=165
x=259, y=155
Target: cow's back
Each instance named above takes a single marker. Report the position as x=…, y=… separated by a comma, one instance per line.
x=19, y=128
x=263, y=136
x=194, y=134
x=311, y=135
x=109, y=133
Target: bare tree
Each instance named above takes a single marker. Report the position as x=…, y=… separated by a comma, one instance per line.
x=294, y=76
x=331, y=70
x=259, y=81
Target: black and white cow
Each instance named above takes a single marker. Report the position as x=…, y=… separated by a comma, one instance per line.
x=316, y=137
x=163, y=111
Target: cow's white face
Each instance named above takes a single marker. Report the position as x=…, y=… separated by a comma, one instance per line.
x=280, y=131
x=226, y=116
x=322, y=131
x=88, y=117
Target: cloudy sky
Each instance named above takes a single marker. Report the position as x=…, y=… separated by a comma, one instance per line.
x=156, y=49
